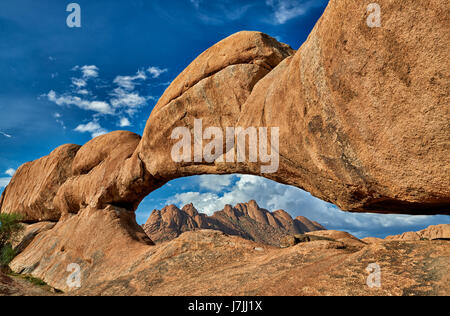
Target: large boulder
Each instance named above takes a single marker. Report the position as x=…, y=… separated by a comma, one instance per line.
x=363, y=123
x=104, y=173
x=361, y=111
x=35, y=184
x=213, y=88
x=103, y=243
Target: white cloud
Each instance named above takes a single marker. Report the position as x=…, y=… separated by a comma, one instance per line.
x=92, y=127
x=215, y=183
x=124, y=122
x=156, y=72
x=129, y=82
x=88, y=71
x=127, y=99
x=285, y=10
x=96, y=106
x=206, y=202
x=79, y=83
x=123, y=100
x=274, y=196
x=10, y=172
x=4, y=182
x=124, y=96
x=83, y=92
x=6, y=135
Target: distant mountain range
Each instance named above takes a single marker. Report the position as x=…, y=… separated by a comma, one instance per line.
x=246, y=220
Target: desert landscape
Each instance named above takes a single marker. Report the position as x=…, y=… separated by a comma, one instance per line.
x=363, y=121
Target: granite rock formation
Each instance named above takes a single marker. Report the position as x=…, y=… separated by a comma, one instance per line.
x=363, y=117
x=246, y=220
x=35, y=184
x=431, y=233
x=210, y=263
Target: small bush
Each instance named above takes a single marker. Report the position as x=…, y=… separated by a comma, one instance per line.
x=7, y=254
x=35, y=281
x=10, y=229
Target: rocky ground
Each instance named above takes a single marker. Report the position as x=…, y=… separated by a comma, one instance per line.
x=210, y=263
x=207, y=262
x=21, y=286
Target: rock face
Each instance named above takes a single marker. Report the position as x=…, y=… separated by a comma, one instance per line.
x=361, y=111
x=210, y=263
x=431, y=233
x=35, y=184
x=356, y=128
x=246, y=220
x=104, y=243
x=105, y=172
x=213, y=88
x=29, y=233
x=363, y=123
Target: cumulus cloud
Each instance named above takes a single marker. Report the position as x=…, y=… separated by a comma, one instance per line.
x=4, y=181
x=88, y=71
x=121, y=97
x=206, y=202
x=79, y=83
x=126, y=99
x=124, y=122
x=274, y=196
x=129, y=82
x=285, y=10
x=67, y=100
x=93, y=128
x=156, y=72
x=215, y=183
x=10, y=172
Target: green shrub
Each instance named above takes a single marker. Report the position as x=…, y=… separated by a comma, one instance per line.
x=34, y=280
x=10, y=229
x=7, y=254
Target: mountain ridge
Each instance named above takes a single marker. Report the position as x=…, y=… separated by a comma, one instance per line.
x=246, y=220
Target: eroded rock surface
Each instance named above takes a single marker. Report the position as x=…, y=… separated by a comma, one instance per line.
x=362, y=111
x=204, y=263
x=104, y=243
x=363, y=118
x=35, y=184
x=105, y=172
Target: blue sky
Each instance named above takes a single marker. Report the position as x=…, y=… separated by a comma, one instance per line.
x=66, y=85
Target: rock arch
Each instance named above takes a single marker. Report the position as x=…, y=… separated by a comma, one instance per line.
x=362, y=112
